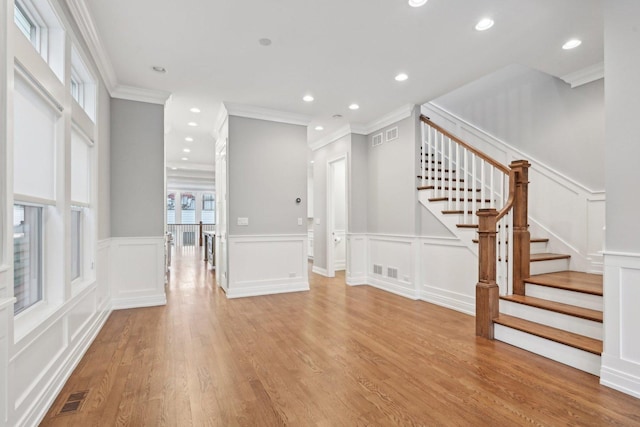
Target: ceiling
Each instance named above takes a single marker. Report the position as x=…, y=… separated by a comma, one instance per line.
x=341, y=52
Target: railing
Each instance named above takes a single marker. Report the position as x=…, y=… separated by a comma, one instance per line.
x=188, y=234
x=488, y=196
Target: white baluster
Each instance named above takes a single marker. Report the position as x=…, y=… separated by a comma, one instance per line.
x=474, y=186
x=483, y=184
x=451, y=194
x=465, y=203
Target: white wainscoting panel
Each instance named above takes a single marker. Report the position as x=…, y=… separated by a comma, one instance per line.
x=396, y=256
x=103, y=263
x=137, y=272
x=621, y=355
x=449, y=273
x=356, y=259
x=267, y=264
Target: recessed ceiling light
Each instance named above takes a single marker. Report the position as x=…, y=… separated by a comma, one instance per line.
x=195, y=110
x=401, y=77
x=307, y=98
x=319, y=128
x=354, y=106
x=265, y=42
x=185, y=158
x=417, y=3
x=484, y=24
x=188, y=139
x=571, y=44
x=312, y=162
x=187, y=150
x=159, y=69
x=192, y=124
x=174, y=169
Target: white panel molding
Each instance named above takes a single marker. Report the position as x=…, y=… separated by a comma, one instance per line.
x=621, y=355
x=137, y=272
x=448, y=299
x=267, y=264
x=356, y=259
x=394, y=287
x=393, y=251
x=586, y=75
x=268, y=114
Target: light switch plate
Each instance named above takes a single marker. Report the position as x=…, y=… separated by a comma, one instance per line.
x=317, y=221
x=243, y=221
x=299, y=221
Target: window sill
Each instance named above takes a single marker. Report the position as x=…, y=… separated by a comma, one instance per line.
x=78, y=286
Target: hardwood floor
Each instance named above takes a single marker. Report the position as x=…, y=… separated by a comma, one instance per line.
x=334, y=356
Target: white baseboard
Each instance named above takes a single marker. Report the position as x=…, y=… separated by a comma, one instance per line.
x=266, y=290
x=41, y=406
x=392, y=287
x=452, y=300
x=619, y=380
x=138, y=302
x=357, y=281
x=320, y=271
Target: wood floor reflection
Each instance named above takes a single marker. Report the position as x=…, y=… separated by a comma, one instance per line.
x=334, y=356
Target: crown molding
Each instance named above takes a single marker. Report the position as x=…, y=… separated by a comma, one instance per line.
x=586, y=75
x=387, y=120
x=131, y=93
x=332, y=137
x=90, y=34
x=268, y=114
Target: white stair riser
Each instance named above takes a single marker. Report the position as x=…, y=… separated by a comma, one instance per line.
x=538, y=247
x=585, y=327
x=551, y=266
x=568, y=355
x=594, y=302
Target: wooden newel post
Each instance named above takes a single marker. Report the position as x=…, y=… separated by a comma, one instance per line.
x=201, y=233
x=521, y=236
x=487, y=293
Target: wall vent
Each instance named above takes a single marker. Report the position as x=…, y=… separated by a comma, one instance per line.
x=392, y=134
x=377, y=269
x=392, y=272
x=376, y=139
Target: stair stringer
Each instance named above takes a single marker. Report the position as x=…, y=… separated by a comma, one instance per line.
x=465, y=235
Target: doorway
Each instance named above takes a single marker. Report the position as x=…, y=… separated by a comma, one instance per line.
x=337, y=215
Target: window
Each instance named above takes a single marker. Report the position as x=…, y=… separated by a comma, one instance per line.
x=76, y=243
x=188, y=202
x=26, y=24
x=83, y=85
x=81, y=151
x=27, y=256
x=208, y=208
x=171, y=208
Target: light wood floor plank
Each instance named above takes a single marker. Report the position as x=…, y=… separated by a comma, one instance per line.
x=334, y=356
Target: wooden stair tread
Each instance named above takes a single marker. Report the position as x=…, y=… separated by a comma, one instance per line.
x=547, y=257
x=532, y=240
x=432, y=187
x=571, y=310
x=563, y=337
x=444, y=199
x=576, y=281
x=467, y=225
x=438, y=178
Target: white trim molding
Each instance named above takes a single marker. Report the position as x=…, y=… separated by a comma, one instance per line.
x=267, y=264
x=331, y=138
x=586, y=75
x=384, y=121
x=621, y=356
x=137, y=272
x=268, y=114
x=131, y=93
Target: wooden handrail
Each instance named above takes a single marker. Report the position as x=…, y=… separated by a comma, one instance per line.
x=475, y=151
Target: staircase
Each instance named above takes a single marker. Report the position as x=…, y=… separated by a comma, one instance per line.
x=526, y=296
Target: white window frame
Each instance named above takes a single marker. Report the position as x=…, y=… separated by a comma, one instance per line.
x=40, y=41
x=41, y=260
x=80, y=242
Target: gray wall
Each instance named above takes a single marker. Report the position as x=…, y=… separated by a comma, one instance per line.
x=137, y=169
x=359, y=176
x=622, y=75
x=540, y=115
x=391, y=189
x=104, y=167
x=267, y=172
x=320, y=158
